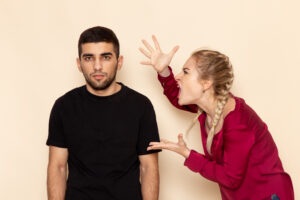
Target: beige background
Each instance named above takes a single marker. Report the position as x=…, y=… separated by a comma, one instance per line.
x=38, y=51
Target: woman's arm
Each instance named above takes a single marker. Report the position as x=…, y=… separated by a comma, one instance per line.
x=237, y=145
x=160, y=62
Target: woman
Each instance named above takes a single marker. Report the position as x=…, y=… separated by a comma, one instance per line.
x=240, y=154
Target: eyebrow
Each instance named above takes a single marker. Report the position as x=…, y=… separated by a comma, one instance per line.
x=102, y=54
x=87, y=55
x=106, y=54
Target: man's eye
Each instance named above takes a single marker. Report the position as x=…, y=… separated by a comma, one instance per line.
x=106, y=57
x=87, y=58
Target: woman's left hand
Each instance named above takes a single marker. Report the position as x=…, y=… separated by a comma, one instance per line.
x=179, y=147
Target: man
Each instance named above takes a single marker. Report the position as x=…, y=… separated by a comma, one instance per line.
x=99, y=132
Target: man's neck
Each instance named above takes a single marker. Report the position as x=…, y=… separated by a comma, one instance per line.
x=112, y=89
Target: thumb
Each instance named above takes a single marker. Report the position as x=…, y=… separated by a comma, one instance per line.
x=180, y=138
x=174, y=50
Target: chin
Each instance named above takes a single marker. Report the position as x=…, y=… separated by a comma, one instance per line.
x=181, y=102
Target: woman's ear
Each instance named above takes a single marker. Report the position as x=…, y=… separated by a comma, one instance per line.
x=207, y=84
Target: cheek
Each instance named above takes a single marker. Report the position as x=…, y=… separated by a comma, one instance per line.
x=89, y=67
x=112, y=68
x=193, y=90
x=84, y=69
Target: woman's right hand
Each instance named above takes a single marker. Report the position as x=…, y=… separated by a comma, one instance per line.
x=159, y=60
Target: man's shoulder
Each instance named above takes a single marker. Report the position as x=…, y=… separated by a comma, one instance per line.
x=71, y=95
x=137, y=96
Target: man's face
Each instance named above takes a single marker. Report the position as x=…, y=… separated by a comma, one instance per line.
x=99, y=64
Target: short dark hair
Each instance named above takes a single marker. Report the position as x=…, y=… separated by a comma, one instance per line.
x=99, y=34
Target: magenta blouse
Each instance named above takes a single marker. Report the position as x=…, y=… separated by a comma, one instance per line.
x=245, y=161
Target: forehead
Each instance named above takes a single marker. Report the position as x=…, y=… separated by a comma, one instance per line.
x=97, y=48
x=190, y=63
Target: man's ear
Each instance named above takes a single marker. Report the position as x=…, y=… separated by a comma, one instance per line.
x=120, y=62
x=79, y=64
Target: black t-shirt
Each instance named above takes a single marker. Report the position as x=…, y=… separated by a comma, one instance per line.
x=104, y=137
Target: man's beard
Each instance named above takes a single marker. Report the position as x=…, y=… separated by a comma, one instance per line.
x=100, y=85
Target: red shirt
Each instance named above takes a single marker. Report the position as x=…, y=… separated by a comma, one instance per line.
x=244, y=161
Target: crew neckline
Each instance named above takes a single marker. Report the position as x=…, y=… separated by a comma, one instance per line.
x=108, y=97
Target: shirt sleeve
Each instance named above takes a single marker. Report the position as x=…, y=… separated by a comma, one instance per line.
x=237, y=145
x=171, y=90
x=56, y=132
x=148, y=130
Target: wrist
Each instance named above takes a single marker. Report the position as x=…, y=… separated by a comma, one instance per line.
x=186, y=153
x=165, y=72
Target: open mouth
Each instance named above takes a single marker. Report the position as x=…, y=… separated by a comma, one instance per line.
x=179, y=90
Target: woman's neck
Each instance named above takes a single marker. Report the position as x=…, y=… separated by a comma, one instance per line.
x=208, y=104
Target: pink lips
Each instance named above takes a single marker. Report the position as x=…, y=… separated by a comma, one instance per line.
x=98, y=76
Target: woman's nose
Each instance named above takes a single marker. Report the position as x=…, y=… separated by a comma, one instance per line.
x=178, y=76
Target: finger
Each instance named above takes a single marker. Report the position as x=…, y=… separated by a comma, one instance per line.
x=155, y=143
x=148, y=46
x=180, y=138
x=160, y=145
x=156, y=42
x=174, y=50
x=168, y=144
x=154, y=148
x=146, y=63
x=146, y=53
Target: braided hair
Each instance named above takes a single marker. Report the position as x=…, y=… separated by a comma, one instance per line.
x=217, y=67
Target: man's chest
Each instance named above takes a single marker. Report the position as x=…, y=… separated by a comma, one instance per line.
x=100, y=130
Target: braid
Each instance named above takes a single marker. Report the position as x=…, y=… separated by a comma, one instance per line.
x=193, y=122
x=217, y=67
x=221, y=101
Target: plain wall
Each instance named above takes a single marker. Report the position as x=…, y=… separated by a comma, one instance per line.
x=38, y=50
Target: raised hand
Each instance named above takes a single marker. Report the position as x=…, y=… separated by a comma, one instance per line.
x=179, y=147
x=159, y=60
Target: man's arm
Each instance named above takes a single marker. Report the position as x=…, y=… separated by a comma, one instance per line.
x=57, y=173
x=149, y=176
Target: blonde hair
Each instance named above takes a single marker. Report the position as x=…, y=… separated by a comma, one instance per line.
x=215, y=66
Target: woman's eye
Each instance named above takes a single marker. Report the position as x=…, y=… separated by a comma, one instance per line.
x=185, y=72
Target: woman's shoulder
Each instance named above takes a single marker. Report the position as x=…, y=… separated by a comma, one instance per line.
x=238, y=108
x=237, y=115
x=241, y=116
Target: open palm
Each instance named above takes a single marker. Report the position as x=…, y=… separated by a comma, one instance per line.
x=157, y=58
x=179, y=147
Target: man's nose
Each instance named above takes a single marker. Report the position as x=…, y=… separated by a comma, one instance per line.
x=97, y=65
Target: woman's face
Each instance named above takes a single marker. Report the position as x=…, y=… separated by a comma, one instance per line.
x=189, y=83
